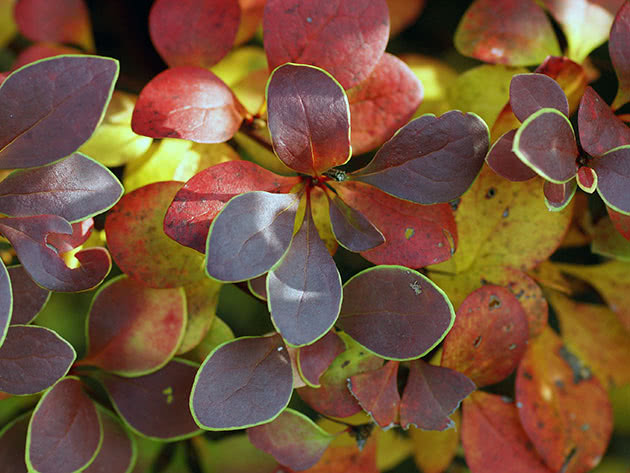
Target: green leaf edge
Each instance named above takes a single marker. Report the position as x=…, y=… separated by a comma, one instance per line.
x=553, y=208
x=132, y=440
x=254, y=293
x=588, y=190
x=332, y=227
x=4, y=330
x=12, y=422
x=47, y=297
x=615, y=208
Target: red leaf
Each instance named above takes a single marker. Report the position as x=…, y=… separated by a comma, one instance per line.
x=251, y=17
x=613, y=174
x=118, y=451
x=383, y=103
x=558, y=196
x=28, y=297
x=309, y=118
x=532, y=92
x=190, y=103
x=600, y=129
x=489, y=336
x=617, y=47
x=403, y=13
x=193, y=32
x=346, y=38
x=432, y=393
x=13, y=444
x=621, y=222
x=38, y=51
x=377, y=393
x=314, y=359
x=587, y=179
x=81, y=231
x=195, y=205
x=350, y=227
x=505, y=163
x=570, y=75
x=347, y=459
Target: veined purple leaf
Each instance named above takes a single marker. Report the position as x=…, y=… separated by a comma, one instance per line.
x=432, y=393
x=6, y=301
x=258, y=287
x=65, y=431
x=505, y=163
x=28, y=298
x=118, y=451
x=243, y=383
x=431, y=159
x=33, y=359
x=619, y=54
x=28, y=235
x=613, y=178
x=532, y=92
x=64, y=242
x=51, y=107
x=13, y=444
x=309, y=118
x=292, y=439
x=395, y=312
x=314, y=359
x=156, y=405
x=304, y=288
x=377, y=392
x=600, y=129
x=74, y=188
x=587, y=179
x=350, y=227
x=546, y=143
x=250, y=235
x=558, y=196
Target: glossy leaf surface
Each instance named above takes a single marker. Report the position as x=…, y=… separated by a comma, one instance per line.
x=489, y=336
x=395, y=312
x=309, y=118
x=506, y=32
x=613, y=177
x=28, y=235
x=134, y=329
x=304, y=288
x=532, y=92
x=292, y=438
x=195, y=205
x=33, y=359
x=255, y=384
x=190, y=103
x=377, y=393
x=505, y=163
x=28, y=297
x=118, y=450
x=617, y=47
x=65, y=431
x=431, y=159
x=139, y=245
x=351, y=229
x=75, y=188
x=12, y=444
x=240, y=247
x=383, y=103
x=314, y=359
x=6, y=301
x=51, y=107
x=558, y=196
x=193, y=32
x=307, y=32
x=156, y=405
x=432, y=393
x=600, y=129
x=415, y=235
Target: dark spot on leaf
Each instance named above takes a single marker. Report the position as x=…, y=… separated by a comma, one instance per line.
x=512, y=346
x=559, y=383
x=581, y=372
x=477, y=341
x=494, y=302
x=455, y=203
x=540, y=424
x=506, y=212
x=345, y=363
x=527, y=375
x=508, y=327
x=491, y=193
x=585, y=427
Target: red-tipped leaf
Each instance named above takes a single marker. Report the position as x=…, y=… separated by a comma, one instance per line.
x=531, y=92
x=377, y=392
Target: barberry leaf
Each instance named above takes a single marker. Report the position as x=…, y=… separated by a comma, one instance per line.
x=586, y=179
x=156, y=405
x=558, y=196
x=12, y=444
x=304, y=288
x=431, y=159
x=240, y=247
x=293, y=439
x=74, y=188
x=506, y=32
x=505, y=163
x=309, y=118
x=613, y=178
x=434, y=450
x=136, y=239
x=251, y=18
x=432, y=393
x=617, y=47
x=243, y=383
x=133, y=329
x=600, y=129
x=570, y=75
x=38, y=51
x=403, y=13
x=377, y=393
x=193, y=32
x=344, y=456
x=621, y=222
x=118, y=451
x=383, y=103
x=28, y=298
x=32, y=359
x=6, y=301
x=190, y=103
x=607, y=241
x=346, y=38
x=395, y=312
x=202, y=298
x=489, y=336
x=28, y=235
x=351, y=229
x=198, y=202
x=258, y=287
x=532, y=92
x=51, y=107
x=64, y=243
x=313, y=360
x=65, y=432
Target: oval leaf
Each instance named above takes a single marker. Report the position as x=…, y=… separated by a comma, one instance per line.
x=395, y=312
x=133, y=329
x=531, y=92
x=12, y=444
x=28, y=298
x=351, y=229
x=193, y=32
x=613, y=175
x=600, y=129
x=377, y=392
x=242, y=383
x=314, y=359
x=6, y=301
x=309, y=118
x=118, y=451
x=617, y=47
x=307, y=32
x=189, y=103
x=505, y=163
x=558, y=196
x=52, y=107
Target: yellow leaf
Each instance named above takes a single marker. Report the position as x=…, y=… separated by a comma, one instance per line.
x=436, y=77
x=433, y=451
x=240, y=63
x=8, y=28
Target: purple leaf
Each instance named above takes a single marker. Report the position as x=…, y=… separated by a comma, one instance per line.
x=314, y=359
x=558, y=196
x=613, y=178
x=258, y=286
x=532, y=92
x=304, y=288
x=75, y=188
x=118, y=451
x=13, y=444
x=33, y=359
x=432, y=393
x=505, y=163
x=431, y=159
x=65, y=431
x=309, y=118
x=619, y=54
x=6, y=301
x=243, y=383
x=600, y=129
x=395, y=312
x=28, y=235
x=546, y=143
x=28, y=298
x=156, y=405
x=242, y=247
x=351, y=229
x=51, y=107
